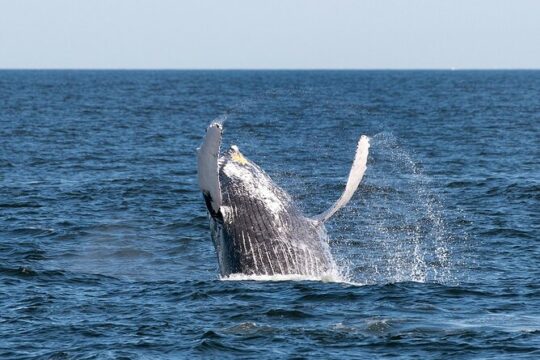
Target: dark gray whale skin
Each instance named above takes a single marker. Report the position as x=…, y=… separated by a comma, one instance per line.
x=263, y=235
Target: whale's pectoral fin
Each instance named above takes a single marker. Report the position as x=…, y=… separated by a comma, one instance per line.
x=355, y=176
x=208, y=168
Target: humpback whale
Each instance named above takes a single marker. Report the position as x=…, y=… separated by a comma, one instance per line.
x=255, y=226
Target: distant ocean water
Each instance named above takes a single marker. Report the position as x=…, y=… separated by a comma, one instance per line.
x=105, y=250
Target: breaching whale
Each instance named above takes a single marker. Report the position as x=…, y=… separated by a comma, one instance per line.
x=255, y=226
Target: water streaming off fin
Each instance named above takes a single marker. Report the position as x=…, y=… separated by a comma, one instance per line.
x=399, y=222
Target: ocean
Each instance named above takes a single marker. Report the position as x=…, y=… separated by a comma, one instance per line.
x=105, y=248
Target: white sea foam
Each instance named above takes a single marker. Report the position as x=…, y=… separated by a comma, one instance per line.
x=332, y=276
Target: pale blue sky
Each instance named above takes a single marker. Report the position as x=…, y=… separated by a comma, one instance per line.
x=209, y=34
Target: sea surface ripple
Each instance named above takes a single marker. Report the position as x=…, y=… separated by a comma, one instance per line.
x=105, y=249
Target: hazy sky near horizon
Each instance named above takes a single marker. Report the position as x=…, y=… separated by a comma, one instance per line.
x=292, y=34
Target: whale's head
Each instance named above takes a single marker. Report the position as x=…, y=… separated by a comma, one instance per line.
x=242, y=174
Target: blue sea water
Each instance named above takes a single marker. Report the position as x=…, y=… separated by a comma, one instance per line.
x=105, y=249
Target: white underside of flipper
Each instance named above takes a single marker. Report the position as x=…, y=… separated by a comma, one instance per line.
x=355, y=176
x=207, y=165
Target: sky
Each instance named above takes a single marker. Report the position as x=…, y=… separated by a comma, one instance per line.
x=278, y=34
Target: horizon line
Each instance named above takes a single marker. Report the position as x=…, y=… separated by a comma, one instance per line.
x=263, y=69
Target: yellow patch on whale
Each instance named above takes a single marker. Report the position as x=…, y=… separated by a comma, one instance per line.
x=239, y=158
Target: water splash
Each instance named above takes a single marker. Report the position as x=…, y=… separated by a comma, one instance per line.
x=397, y=229
x=401, y=222
x=336, y=274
